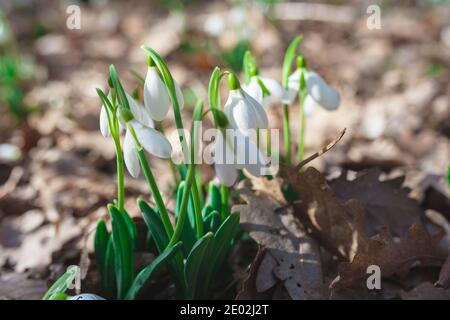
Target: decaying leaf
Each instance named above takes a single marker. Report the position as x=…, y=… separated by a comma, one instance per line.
x=444, y=275
x=17, y=286
x=393, y=257
x=249, y=290
x=426, y=291
x=297, y=265
x=339, y=227
x=386, y=202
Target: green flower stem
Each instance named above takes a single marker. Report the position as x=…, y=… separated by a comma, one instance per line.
x=120, y=175
x=224, y=200
x=169, y=82
x=197, y=207
x=286, y=134
x=183, y=208
x=301, y=132
x=152, y=184
x=172, y=167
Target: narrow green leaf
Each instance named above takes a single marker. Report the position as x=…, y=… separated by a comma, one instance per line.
x=222, y=244
x=206, y=210
x=155, y=225
x=196, y=258
x=109, y=271
x=211, y=221
x=143, y=278
x=215, y=197
x=123, y=252
x=289, y=59
x=118, y=87
x=212, y=88
x=131, y=227
x=188, y=234
x=100, y=245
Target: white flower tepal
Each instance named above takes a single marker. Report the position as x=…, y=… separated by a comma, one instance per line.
x=318, y=90
x=253, y=88
x=244, y=112
x=236, y=151
x=321, y=92
x=156, y=98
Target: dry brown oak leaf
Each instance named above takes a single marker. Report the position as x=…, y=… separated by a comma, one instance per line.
x=393, y=257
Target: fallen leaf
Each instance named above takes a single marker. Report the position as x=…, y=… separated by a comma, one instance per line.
x=391, y=256
x=297, y=265
x=339, y=227
x=249, y=290
x=387, y=204
x=17, y=286
x=426, y=291
x=444, y=275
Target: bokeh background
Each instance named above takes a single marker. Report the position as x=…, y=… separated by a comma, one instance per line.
x=57, y=172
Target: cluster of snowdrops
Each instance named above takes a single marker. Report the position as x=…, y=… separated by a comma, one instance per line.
x=195, y=246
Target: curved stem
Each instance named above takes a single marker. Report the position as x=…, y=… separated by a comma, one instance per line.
x=286, y=134
x=224, y=200
x=301, y=132
x=152, y=184
x=120, y=175
x=183, y=209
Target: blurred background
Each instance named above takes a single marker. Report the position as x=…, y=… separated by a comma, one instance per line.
x=57, y=172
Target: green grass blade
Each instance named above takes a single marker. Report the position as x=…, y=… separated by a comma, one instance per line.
x=123, y=252
x=143, y=278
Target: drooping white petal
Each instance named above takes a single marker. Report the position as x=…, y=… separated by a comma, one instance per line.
x=152, y=140
x=249, y=156
x=309, y=105
x=224, y=158
x=321, y=92
x=156, y=98
x=275, y=89
x=179, y=93
x=262, y=121
x=130, y=156
x=244, y=116
x=254, y=89
x=139, y=112
x=104, y=124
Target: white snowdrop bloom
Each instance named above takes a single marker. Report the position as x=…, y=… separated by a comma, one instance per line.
x=323, y=94
x=253, y=88
x=244, y=112
x=150, y=139
x=236, y=151
x=308, y=106
x=156, y=97
x=136, y=108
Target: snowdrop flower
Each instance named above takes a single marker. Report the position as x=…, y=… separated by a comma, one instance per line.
x=234, y=151
x=243, y=112
x=318, y=91
x=253, y=88
x=139, y=120
x=156, y=97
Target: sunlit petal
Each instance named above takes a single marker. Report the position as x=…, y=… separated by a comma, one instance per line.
x=156, y=99
x=152, y=140
x=104, y=124
x=130, y=156
x=321, y=92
